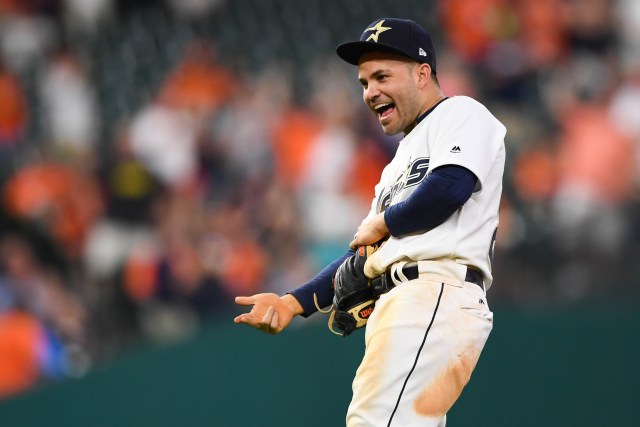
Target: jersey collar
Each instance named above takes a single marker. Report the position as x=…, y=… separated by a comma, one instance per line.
x=426, y=113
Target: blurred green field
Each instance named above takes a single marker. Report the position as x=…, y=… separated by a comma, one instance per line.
x=556, y=368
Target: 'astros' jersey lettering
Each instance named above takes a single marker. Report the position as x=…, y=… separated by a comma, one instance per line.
x=459, y=131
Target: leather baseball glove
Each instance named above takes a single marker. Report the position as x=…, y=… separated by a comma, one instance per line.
x=355, y=294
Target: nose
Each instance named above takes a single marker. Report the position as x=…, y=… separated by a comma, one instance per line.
x=371, y=92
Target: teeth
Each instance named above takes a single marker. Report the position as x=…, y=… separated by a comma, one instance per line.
x=381, y=106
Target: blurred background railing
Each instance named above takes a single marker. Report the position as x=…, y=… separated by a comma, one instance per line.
x=158, y=158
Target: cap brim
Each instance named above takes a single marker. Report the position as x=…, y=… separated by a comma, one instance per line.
x=352, y=51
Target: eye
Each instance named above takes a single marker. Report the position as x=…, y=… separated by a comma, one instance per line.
x=363, y=83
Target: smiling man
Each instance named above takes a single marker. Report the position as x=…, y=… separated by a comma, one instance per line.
x=420, y=285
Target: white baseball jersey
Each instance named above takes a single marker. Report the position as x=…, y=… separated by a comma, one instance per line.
x=459, y=131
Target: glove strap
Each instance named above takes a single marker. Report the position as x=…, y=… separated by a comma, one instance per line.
x=330, y=324
x=315, y=301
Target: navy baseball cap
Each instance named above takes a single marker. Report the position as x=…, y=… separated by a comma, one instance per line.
x=401, y=36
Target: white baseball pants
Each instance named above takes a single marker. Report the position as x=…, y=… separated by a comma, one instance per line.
x=423, y=340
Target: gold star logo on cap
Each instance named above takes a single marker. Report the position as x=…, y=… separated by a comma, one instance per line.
x=378, y=28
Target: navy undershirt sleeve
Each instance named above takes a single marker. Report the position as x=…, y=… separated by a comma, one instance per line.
x=321, y=285
x=443, y=192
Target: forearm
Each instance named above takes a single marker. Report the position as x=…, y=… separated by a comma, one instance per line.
x=443, y=192
x=321, y=286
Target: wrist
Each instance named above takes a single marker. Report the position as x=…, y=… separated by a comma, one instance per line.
x=292, y=304
x=381, y=224
x=388, y=216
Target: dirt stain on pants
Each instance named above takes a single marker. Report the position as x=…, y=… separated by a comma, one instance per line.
x=437, y=398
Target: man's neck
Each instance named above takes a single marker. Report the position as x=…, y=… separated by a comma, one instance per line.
x=429, y=106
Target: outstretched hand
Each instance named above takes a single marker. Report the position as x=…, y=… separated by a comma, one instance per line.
x=270, y=313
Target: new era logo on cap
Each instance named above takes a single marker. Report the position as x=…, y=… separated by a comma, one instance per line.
x=421, y=52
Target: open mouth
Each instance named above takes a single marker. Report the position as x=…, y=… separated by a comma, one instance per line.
x=384, y=110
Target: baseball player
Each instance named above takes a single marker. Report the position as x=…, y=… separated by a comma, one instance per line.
x=435, y=213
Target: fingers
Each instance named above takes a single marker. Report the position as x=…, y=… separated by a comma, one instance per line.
x=268, y=323
x=363, y=237
x=266, y=314
x=370, y=231
x=245, y=300
x=274, y=322
x=245, y=318
x=353, y=244
x=357, y=240
x=266, y=319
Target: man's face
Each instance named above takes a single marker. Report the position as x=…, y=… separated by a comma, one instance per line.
x=390, y=89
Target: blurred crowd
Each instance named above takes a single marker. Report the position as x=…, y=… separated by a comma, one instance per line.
x=219, y=178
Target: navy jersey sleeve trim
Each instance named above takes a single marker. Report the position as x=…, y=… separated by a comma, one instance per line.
x=443, y=192
x=321, y=285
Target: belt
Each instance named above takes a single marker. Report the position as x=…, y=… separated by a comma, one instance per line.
x=412, y=273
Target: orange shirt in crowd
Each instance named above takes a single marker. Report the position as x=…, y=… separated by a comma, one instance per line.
x=542, y=26
x=21, y=340
x=245, y=268
x=594, y=153
x=471, y=26
x=13, y=109
x=293, y=136
x=367, y=169
x=535, y=174
x=62, y=199
x=198, y=84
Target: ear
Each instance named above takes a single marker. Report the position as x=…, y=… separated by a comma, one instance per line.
x=424, y=75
